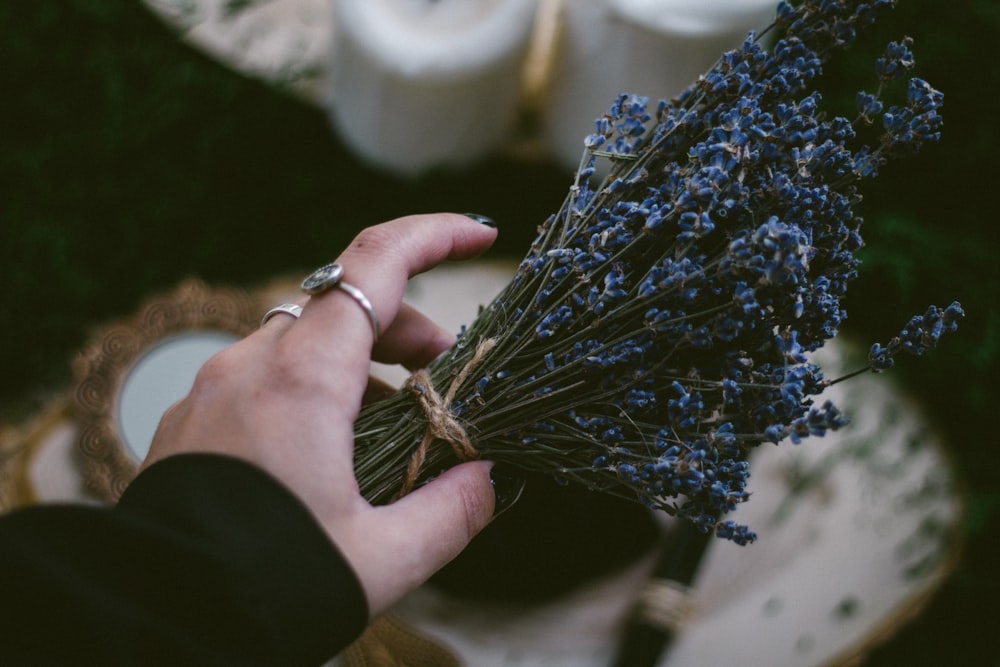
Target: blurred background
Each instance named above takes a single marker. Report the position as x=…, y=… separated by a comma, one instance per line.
x=131, y=160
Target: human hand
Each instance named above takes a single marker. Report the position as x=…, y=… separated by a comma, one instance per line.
x=286, y=398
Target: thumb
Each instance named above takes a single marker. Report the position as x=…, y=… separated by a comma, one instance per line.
x=421, y=532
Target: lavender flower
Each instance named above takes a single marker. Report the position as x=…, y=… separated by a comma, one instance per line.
x=660, y=326
x=919, y=335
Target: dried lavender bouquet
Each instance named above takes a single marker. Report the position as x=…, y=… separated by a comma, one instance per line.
x=659, y=327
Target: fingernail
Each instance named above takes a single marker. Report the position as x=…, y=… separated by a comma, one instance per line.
x=507, y=487
x=481, y=219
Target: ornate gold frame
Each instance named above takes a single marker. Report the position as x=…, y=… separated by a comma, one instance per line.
x=100, y=369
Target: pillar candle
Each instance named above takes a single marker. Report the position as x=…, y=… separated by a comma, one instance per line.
x=653, y=48
x=419, y=84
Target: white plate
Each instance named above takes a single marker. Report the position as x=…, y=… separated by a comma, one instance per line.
x=856, y=530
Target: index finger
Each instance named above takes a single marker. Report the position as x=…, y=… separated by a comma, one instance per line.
x=379, y=262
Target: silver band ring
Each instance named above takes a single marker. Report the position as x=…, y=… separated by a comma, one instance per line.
x=332, y=275
x=292, y=309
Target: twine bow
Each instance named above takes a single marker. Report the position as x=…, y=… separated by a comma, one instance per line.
x=441, y=423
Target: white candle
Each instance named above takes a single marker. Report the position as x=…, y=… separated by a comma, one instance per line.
x=417, y=84
x=647, y=47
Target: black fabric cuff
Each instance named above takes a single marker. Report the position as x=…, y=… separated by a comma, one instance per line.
x=206, y=560
x=295, y=585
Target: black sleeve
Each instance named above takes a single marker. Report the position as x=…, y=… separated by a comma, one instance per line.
x=206, y=560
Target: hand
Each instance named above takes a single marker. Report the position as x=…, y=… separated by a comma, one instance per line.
x=286, y=398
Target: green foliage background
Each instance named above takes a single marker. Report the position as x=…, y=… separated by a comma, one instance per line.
x=129, y=162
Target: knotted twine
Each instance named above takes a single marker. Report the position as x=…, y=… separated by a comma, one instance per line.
x=441, y=422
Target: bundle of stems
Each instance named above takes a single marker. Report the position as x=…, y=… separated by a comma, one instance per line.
x=659, y=327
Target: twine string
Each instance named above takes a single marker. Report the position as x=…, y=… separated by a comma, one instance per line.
x=441, y=423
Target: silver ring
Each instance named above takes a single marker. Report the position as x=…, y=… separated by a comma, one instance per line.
x=332, y=275
x=292, y=309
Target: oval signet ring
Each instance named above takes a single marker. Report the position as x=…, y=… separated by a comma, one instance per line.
x=332, y=276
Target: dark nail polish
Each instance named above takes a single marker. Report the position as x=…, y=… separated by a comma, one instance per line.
x=507, y=487
x=481, y=219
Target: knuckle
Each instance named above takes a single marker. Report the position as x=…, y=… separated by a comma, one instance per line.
x=216, y=369
x=236, y=373
x=378, y=239
x=281, y=371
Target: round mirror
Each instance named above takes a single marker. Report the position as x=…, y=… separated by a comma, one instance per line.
x=137, y=368
x=159, y=378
